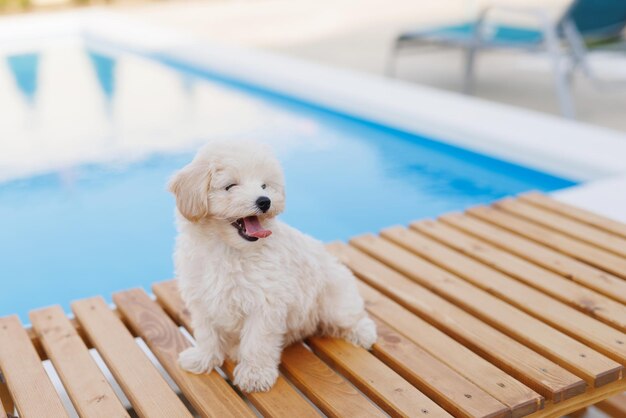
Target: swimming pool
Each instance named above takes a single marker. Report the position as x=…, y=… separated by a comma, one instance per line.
x=91, y=135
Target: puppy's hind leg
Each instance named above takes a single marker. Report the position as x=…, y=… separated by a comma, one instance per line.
x=343, y=312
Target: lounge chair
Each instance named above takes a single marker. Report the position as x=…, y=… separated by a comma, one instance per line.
x=585, y=24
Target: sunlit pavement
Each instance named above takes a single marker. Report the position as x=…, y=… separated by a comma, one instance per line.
x=357, y=34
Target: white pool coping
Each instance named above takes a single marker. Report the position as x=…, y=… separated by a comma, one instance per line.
x=565, y=148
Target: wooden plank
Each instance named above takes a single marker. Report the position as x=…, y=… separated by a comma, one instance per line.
x=144, y=386
x=455, y=393
x=6, y=402
x=385, y=387
x=282, y=401
x=31, y=389
x=455, y=232
x=591, y=397
x=604, y=240
x=576, y=324
x=567, y=266
x=327, y=389
x=576, y=213
x=86, y=385
x=592, y=366
x=587, y=253
x=537, y=372
x=615, y=406
x=519, y=398
x=210, y=394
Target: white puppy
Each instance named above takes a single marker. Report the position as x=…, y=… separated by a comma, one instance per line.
x=252, y=283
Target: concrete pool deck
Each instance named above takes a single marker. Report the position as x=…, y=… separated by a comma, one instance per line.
x=357, y=34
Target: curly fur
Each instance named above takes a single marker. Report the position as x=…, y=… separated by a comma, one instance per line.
x=248, y=300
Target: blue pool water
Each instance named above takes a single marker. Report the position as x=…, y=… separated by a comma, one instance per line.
x=94, y=135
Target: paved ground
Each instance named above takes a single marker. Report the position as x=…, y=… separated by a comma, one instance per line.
x=357, y=34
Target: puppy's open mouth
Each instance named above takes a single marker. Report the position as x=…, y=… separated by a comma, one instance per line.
x=250, y=228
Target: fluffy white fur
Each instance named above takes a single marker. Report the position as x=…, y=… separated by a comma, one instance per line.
x=248, y=300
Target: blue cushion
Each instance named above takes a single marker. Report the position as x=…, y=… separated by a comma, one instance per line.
x=491, y=33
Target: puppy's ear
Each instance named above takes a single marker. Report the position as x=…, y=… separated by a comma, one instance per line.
x=191, y=188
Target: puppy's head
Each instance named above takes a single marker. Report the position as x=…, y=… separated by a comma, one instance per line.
x=236, y=187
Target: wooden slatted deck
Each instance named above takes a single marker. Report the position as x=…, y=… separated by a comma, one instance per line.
x=515, y=309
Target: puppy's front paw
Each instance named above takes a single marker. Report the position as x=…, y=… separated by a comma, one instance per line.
x=255, y=379
x=196, y=360
x=363, y=333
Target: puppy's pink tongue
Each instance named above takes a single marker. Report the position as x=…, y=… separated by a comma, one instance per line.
x=254, y=228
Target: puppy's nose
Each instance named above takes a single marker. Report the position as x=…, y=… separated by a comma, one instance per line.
x=264, y=203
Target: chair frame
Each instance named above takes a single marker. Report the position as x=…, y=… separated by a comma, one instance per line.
x=562, y=41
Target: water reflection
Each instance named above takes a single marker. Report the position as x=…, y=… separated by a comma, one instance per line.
x=87, y=105
x=24, y=69
x=104, y=67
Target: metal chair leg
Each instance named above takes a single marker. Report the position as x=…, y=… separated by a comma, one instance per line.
x=564, y=94
x=390, y=66
x=468, y=79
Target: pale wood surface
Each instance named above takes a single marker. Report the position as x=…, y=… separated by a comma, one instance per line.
x=583, y=299
x=209, y=394
x=568, y=267
x=591, y=235
x=31, y=389
x=539, y=373
x=144, y=386
x=595, y=368
x=457, y=394
x=380, y=383
x=579, y=250
x=281, y=401
x=326, y=388
x=560, y=316
x=510, y=310
x=86, y=385
x=519, y=398
x=579, y=214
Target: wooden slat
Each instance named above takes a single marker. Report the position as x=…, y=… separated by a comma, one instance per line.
x=542, y=375
x=209, y=394
x=568, y=267
x=144, y=386
x=84, y=382
x=327, y=389
x=281, y=401
x=595, y=368
x=614, y=406
x=574, y=229
x=451, y=390
x=576, y=213
x=385, y=387
x=454, y=233
x=601, y=337
x=31, y=389
x=6, y=402
x=574, y=323
x=591, y=397
x=519, y=398
x=579, y=250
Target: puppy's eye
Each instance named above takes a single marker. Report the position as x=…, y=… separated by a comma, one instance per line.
x=227, y=188
x=263, y=186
